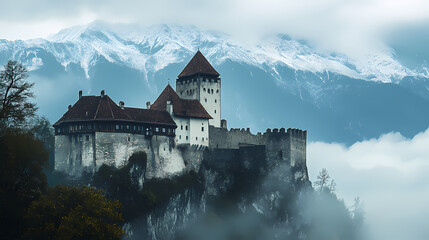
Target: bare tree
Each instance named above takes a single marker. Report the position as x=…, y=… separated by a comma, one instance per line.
x=15, y=93
x=324, y=181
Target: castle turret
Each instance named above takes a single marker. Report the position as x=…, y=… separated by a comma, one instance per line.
x=200, y=81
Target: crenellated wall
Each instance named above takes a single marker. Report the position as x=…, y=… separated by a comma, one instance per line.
x=281, y=145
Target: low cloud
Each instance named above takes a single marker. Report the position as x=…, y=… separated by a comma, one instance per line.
x=390, y=174
x=352, y=27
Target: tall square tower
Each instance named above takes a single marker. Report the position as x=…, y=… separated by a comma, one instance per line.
x=200, y=81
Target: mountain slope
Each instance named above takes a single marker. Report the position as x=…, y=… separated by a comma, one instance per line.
x=336, y=98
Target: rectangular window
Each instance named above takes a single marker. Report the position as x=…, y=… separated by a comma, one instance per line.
x=157, y=129
x=180, y=136
x=163, y=130
x=215, y=100
x=128, y=127
x=181, y=127
x=186, y=137
x=169, y=130
x=196, y=138
x=117, y=126
x=202, y=129
x=186, y=127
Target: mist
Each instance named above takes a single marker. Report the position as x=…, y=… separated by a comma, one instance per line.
x=389, y=174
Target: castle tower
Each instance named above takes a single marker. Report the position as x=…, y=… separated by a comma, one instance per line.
x=200, y=81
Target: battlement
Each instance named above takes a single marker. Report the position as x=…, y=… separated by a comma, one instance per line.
x=291, y=132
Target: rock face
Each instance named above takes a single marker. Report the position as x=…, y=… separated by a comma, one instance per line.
x=250, y=179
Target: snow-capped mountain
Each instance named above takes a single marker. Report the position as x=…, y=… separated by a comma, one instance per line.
x=299, y=83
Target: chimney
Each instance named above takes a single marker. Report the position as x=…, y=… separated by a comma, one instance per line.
x=102, y=93
x=122, y=105
x=169, y=107
x=80, y=94
x=148, y=105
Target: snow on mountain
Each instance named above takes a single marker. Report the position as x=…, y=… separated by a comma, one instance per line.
x=150, y=49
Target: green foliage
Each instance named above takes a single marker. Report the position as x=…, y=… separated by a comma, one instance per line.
x=159, y=191
x=15, y=92
x=21, y=177
x=123, y=184
x=74, y=213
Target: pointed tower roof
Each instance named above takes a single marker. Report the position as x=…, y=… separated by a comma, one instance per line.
x=181, y=107
x=198, y=65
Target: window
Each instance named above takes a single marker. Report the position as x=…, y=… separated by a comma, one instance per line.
x=186, y=127
x=203, y=139
x=128, y=127
x=204, y=89
x=180, y=136
x=215, y=100
x=169, y=130
x=186, y=137
x=117, y=126
x=205, y=99
x=157, y=129
x=215, y=111
x=174, y=130
x=163, y=130
x=196, y=138
x=212, y=91
x=87, y=138
x=217, y=91
x=202, y=129
x=134, y=127
x=181, y=127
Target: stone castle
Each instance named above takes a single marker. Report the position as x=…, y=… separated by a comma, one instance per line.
x=178, y=131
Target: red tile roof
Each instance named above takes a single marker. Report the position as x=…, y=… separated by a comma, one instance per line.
x=181, y=107
x=89, y=108
x=198, y=66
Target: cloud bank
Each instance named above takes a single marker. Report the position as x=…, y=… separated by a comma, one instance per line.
x=351, y=27
x=390, y=174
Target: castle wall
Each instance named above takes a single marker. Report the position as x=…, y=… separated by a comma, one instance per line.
x=87, y=152
x=199, y=132
x=234, y=138
x=162, y=157
x=74, y=152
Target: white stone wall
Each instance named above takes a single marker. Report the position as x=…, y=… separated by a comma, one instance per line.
x=182, y=130
x=74, y=153
x=208, y=92
x=199, y=134
x=116, y=148
x=210, y=98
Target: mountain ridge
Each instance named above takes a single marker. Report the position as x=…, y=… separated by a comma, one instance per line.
x=332, y=96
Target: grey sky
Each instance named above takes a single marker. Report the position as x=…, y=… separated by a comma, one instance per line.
x=352, y=27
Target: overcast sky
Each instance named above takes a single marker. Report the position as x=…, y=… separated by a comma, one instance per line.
x=346, y=26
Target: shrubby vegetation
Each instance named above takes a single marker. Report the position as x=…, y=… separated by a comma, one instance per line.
x=139, y=198
x=73, y=213
x=28, y=207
